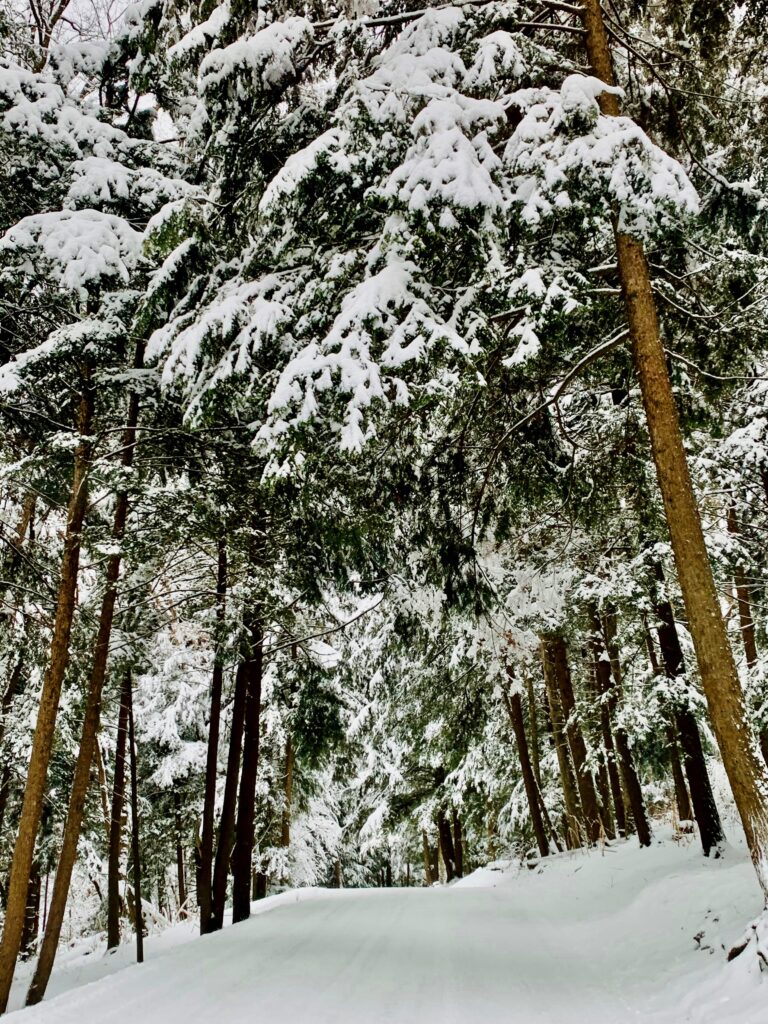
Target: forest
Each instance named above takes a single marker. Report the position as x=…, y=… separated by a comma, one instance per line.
x=384, y=510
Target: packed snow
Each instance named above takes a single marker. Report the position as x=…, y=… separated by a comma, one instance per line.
x=600, y=935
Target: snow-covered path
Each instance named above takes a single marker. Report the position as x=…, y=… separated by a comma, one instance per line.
x=592, y=938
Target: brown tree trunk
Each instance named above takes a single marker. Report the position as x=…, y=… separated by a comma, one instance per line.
x=181, y=874
x=558, y=657
x=242, y=855
x=684, y=811
x=533, y=725
x=229, y=805
x=702, y=797
x=514, y=705
x=32, y=915
x=205, y=853
x=116, y=819
x=428, y=877
x=573, y=829
x=138, y=908
x=446, y=845
x=91, y=720
x=285, y=822
x=42, y=744
x=746, y=771
x=458, y=845
x=608, y=675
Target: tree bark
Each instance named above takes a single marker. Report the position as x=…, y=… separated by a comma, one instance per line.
x=446, y=845
x=458, y=844
x=428, y=877
x=32, y=915
x=285, y=822
x=242, y=855
x=91, y=720
x=746, y=771
x=533, y=723
x=608, y=684
x=573, y=830
x=181, y=874
x=558, y=656
x=229, y=806
x=135, y=845
x=205, y=861
x=514, y=706
x=703, y=799
x=42, y=744
x=116, y=820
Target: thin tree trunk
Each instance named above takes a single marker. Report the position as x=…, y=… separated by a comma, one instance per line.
x=573, y=830
x=242, y=855
x=558, y=655
x=533, y=725
x=514, y=706
x=458, y=844
x=446, y=845
x=428, y=877
x=205, y=863
x=91, y=721
x=98, y=760
x=116, y=819
x=180, y=867
x=229, y=806
x=135, y=846
x=703, y=799
x=684, y=810
x=746, y=771
x=42, y=744
x=285, y=822
x=32, y=915
x=608, y=671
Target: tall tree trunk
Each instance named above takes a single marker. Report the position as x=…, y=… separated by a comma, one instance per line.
x=229, y=805
x=90, y=728
x=42, y=744
x=514, y=705
x=684, y=810
x=428, y=876
x=458, y=844
x=135, y=844
x=32, y=915
x=285, y=823
x=702, y=797
x=205, y=861
x=116, y=819
x=533, y=725
x=746, y=771
x=558, y=657
x=181, y=875
x=573, y=830
x=242, y=855
x=446, y=845
x=608, y=671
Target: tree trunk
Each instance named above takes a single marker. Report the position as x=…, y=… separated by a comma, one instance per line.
x=684, y=811
x=91, y=721
x=458, y=844
x=446, y=845
x=702, y=797
x=242, y=855
x=285, y=823
x=32, y=915
x=135, y=846
x=229, y=806
x=609, y=681
x=181, y=875
x=428, y=876
x=42, y=744
x=573, y=830
x=205, y=853
x=746, y=772
x=558, y=656
x=533, y=725
x=116, y=820
x=514, y=705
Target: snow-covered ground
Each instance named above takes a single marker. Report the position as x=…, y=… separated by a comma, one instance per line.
x=589, y=938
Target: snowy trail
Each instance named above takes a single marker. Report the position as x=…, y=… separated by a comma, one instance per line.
x=591, y=938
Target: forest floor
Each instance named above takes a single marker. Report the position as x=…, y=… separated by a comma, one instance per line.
x=601, y=936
